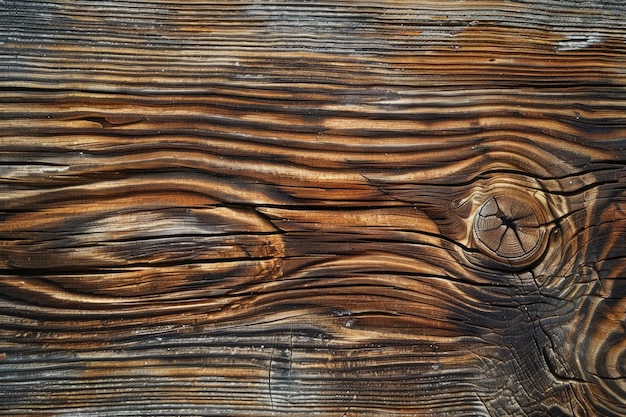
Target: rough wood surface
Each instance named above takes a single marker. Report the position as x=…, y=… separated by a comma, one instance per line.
x=320, y=208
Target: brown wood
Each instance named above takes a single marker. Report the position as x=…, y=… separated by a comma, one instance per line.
x=263, y=208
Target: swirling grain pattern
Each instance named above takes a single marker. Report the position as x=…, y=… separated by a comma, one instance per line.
x=263, y=208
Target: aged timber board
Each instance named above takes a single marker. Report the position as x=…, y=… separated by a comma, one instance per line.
x=320, y=208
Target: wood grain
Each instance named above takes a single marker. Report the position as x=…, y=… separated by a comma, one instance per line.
x=263, y=208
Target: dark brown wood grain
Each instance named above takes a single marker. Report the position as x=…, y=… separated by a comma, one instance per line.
x=264, y=208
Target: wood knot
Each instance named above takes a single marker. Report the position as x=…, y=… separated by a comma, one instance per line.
x=510, y=229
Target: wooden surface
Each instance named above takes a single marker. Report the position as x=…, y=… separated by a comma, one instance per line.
x=320, y=208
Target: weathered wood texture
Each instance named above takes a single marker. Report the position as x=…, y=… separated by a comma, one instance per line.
x=331, y=208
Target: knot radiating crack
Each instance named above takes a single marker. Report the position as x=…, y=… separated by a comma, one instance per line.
x=509, y=229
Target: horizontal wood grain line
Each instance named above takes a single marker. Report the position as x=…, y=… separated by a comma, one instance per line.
x=339, y=12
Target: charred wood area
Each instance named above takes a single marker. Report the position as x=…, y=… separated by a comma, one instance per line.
x=320, y=208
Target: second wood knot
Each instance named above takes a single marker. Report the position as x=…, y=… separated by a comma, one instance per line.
x=509, y=229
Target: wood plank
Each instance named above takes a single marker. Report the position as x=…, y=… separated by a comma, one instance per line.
x=316, y=208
